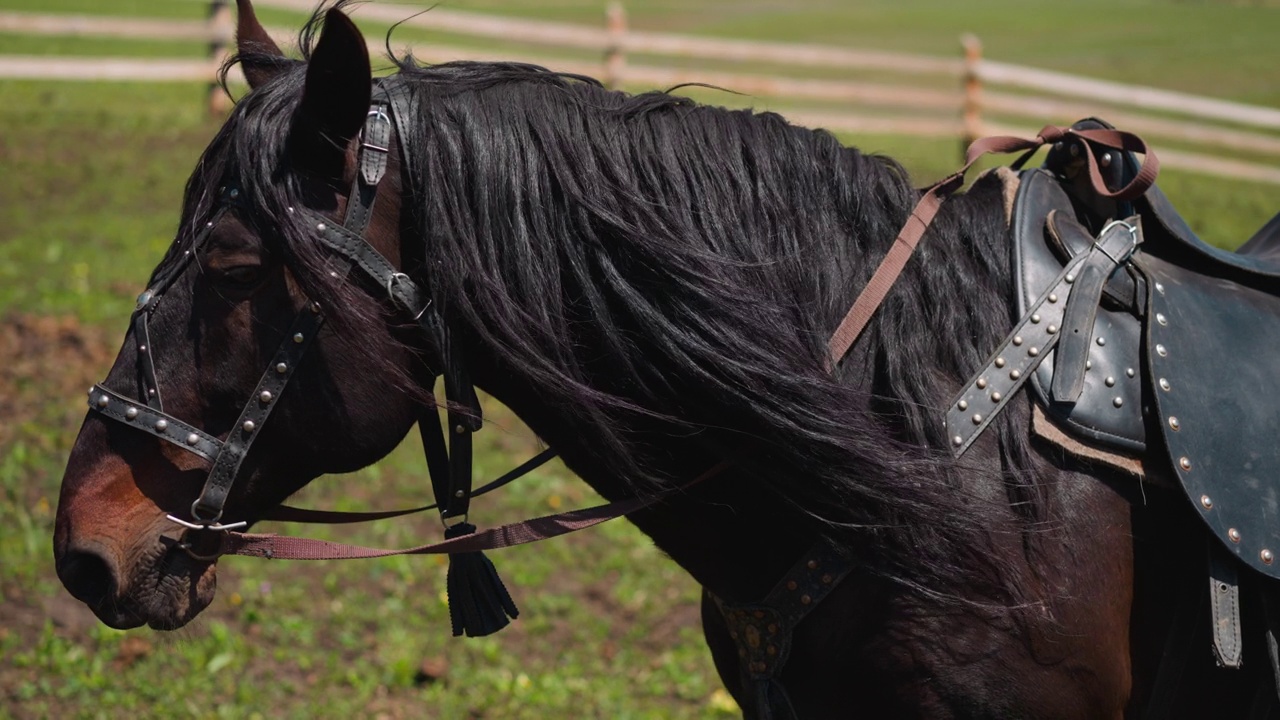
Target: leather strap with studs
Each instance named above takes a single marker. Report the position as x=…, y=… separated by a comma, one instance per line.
x=155, y=422
x=989, y=390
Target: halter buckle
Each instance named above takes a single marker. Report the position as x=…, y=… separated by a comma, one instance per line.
x=213, y=525
x=378, y=113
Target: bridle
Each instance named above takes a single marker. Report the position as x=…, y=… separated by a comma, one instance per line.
x=449, y=464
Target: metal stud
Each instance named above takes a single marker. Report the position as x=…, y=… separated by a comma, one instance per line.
x=290, y=209
x=192, y=439
x=1070, y=278
x=298, y=338
x=1267, y=556
x=459, y=429
x=1161, y=351
x=977, y=419
x=1110, y=381
x=1102, y=341
x=1053, y=297
x=1130, y=372
x=265, y=397
x=1184, y=462
x=999, y=362
x=103, y=401
x=315, y=308
x=1014, y=374
x=234, y=193
x=963, y=404
x=1106, y=160
x=1033, y=351
x=1173, y=423
x=1164, y=384
x=321, y=227
x=982, y=383
x=248, y=426
x=1234, y=535
x=1160, y=288
x=151, y=392
x=162, y=425
x=957, y=441
x=209, y=224
x=1051, y=329
x=1088, y=364
x=142, y=349
x=1206, y=501
x=1035, y=318
x=805, y=599
x=1118, y=402
x=1017, y=340
x=131, y=413
x=1160, y=318
x=995, y=397
x=282, y=368
x=459, y=494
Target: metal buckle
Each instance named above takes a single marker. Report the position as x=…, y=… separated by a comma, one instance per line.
x=399, y=277
x=1133, y=245
x=378, y=113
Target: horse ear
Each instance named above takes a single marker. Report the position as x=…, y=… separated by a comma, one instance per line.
x=256, y=48
x=335, y=100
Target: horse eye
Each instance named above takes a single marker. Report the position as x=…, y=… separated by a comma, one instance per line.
x=242, y=275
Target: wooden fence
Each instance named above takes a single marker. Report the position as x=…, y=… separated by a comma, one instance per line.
x=964, y=96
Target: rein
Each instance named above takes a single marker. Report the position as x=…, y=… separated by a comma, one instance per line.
x=485, y=602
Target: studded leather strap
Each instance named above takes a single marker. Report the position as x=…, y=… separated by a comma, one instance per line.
x=155, y=422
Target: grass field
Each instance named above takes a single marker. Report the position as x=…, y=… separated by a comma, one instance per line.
x=89, y=194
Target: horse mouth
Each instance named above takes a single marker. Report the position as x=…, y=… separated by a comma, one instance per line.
x=166, y=589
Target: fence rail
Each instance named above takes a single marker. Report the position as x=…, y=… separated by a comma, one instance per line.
x=909, y=94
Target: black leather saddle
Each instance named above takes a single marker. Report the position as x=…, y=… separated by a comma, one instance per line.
x=1137, y=336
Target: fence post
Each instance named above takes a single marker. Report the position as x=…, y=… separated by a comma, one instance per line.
x=972, y=110
x=221, y=30
x=615, y=59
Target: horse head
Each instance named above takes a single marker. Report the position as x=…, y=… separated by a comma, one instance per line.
x=217, y=343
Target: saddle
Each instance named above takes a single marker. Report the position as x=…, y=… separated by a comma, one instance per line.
x=1135, y=334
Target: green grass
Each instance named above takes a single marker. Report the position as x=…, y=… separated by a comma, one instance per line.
x=89, y=196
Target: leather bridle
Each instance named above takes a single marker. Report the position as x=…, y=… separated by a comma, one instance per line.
x=449, y=464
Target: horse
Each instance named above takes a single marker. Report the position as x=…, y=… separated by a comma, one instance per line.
x=650, y=284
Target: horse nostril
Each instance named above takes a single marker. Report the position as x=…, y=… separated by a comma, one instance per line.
x=88, y=577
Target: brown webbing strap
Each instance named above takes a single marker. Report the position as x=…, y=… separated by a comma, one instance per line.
x=895, y=261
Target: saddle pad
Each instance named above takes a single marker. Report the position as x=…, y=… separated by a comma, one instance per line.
x=1213, y=350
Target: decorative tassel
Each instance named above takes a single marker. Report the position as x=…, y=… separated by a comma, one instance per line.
x=479, y=603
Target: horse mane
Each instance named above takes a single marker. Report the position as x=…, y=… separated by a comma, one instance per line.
x=658, y=270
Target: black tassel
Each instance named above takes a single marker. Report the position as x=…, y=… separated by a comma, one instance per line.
x=479, y=603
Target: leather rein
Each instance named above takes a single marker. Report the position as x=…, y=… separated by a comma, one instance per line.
x=450, y=468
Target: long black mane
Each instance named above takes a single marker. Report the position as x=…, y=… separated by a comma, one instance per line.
x=663, y=272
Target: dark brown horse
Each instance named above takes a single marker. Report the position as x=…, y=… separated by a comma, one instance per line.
x=650, y=284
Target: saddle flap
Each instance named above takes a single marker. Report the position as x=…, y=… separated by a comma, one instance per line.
x=1213, y=351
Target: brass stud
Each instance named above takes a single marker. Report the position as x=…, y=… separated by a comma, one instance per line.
x=1033, y=351
x=805, y=599
x=1070, y=278
x=977, y=419
x=315, y=308
x=995, y=397
x=161, y=425
x=1088, y=364
x=999, y=362
x=1035, y=318
x=265, y=397
x=1052, y=329
x=282, y=368
x=1014, y=374
x=963, y=404
x=1102, y=341
x=131, y=413
x=812, y=564
x=1053, y=297
x=1105, y=161
x=1017, y=340
x=248, y=426
x=791, y=585
x=298, y=338
x=982, y=383
x=1173, y=423
x=1184, y=462
x=1110, y=381
x=1160, y=318
x=1119, y=401
x=826, y=579
x=1207, y=502
x=1234, y=535
x=957, y=441
x=1267, y=556
x=1161, y=351
x=1164, y=384
x=771, y=650
x=192, y=439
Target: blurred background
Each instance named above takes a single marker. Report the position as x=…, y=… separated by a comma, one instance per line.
x=104, y=109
